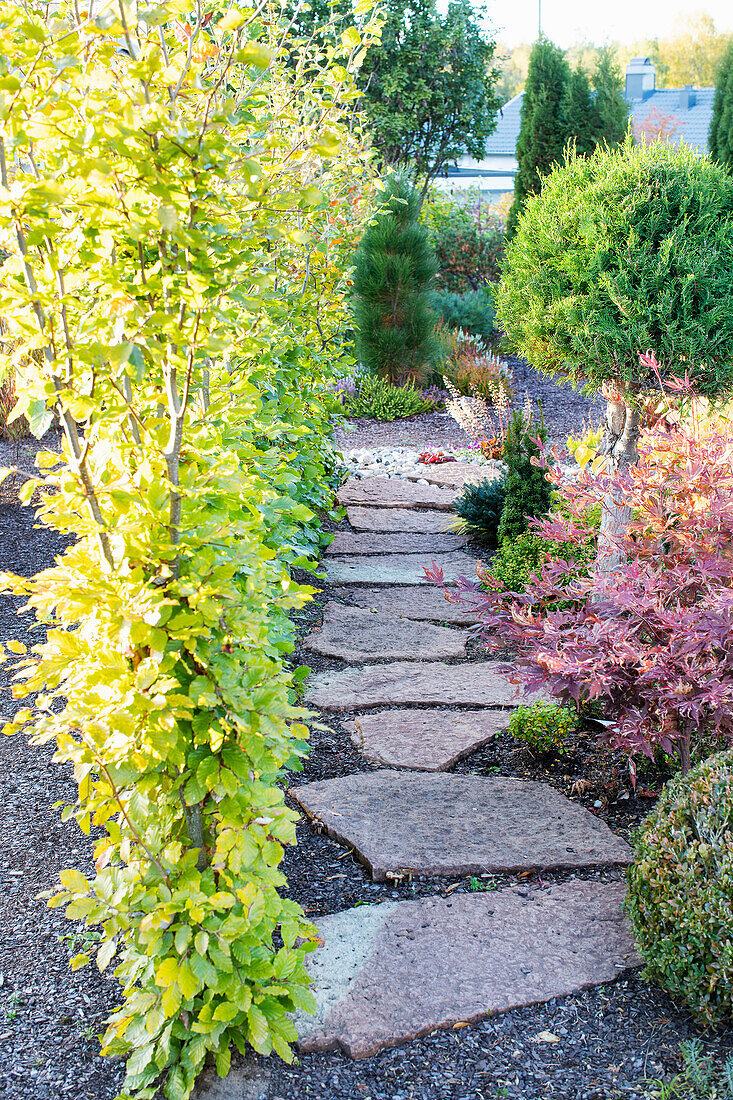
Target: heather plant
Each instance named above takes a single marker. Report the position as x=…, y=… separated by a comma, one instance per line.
x=479, y=509
x=680, y=886
x=377, y=399
x=528, y=493
x=545, y=727
x=654, y=643
x=172, y=282
x=635, y=246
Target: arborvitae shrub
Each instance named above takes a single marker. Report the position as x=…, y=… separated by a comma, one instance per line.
x=395, y=266
x=680, y=896
x=528, y=492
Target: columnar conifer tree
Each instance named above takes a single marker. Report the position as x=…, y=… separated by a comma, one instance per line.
x=720, y=137
x=579, y=112
x=611, y=108
x=543, y=130
x=395, y=267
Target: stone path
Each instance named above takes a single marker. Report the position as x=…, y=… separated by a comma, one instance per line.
x=394, y=971
x=429, y=522
x=379, y=542
x=425, y=740
x=401, y=824
x=397, y=568
x=355, y=634
x=410, y=682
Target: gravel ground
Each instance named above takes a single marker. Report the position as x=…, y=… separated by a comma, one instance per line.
x=610, y=1038
x=564, y=410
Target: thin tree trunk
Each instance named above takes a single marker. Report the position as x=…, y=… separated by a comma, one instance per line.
x=622, y=452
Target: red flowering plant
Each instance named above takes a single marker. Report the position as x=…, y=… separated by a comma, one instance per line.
x=653, y=642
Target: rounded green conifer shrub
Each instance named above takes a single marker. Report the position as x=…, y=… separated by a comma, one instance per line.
x=545, y=727
x=680, y=896
x=622, y=251
x=479, y=508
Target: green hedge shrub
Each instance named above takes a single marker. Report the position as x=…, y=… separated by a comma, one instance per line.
x=680, y=897
x=468, y=256
x=545, y=727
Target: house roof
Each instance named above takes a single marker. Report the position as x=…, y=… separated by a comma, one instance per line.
x=693, y=122
x=504, y=137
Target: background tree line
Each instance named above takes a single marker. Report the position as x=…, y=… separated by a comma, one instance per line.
x=691, y=55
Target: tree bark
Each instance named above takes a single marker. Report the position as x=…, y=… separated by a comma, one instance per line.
x=622, y=452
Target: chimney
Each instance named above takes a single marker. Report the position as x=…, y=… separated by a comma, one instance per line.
x=687, y=97
x=641, y=77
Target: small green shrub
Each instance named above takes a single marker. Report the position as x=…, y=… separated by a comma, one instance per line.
x=545, y=727
x=479, y=508
x=379, y=400
x=517, y=559
x=680, y=889
x=468, y=256
x=472, y=311
x=528, y=492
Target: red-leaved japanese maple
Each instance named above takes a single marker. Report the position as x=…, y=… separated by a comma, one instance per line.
x=654, y=641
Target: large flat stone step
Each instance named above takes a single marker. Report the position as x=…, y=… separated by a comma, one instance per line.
x=442, y=824
x=391, y=569
x=393, y=972
x=430, y=683
x=425, y=740
x=400, y=519
x=388, y=492
x=356, y=635
x=380, y=542
x=423, y=603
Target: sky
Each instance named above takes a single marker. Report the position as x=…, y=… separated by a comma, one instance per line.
x=569, y=21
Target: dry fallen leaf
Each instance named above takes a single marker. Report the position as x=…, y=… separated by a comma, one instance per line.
x=546, y=1037
x=464, y=1024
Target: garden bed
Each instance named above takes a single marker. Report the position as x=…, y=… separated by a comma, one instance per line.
x=604, y=1043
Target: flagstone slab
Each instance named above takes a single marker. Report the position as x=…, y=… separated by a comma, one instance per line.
x=392, y=972
x=425, y=740
x=423, y=604
x=389, y=492
x=397, y=568
x=454, y=475
x=379, y=542
x=401, y=683
x=399, y=519
x=436, y=824
x=356, y=635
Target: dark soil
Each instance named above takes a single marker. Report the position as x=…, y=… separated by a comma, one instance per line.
x=610, y=1039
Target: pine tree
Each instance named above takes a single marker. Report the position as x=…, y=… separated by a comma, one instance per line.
x=579, y=112
x=543, y=133
x=720, y=138
x=611, y=108
x=396, y=336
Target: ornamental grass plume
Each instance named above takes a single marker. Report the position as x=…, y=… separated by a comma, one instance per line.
x=654, y=642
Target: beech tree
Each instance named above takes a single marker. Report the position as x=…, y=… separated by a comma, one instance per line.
x=625, y=251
